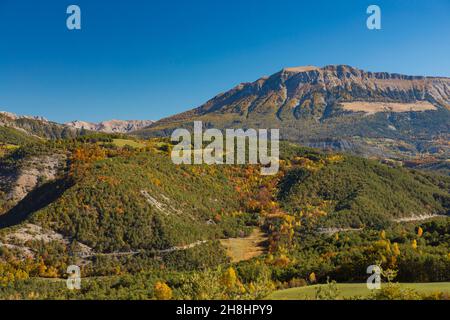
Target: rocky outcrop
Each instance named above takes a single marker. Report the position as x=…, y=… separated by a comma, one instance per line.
x=17, y=182
x=35, y=171
x=112, y=126
x=13, y=116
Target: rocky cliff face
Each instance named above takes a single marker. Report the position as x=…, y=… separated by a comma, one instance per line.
x=20, y=178
x=5, y=115
x=112, y=126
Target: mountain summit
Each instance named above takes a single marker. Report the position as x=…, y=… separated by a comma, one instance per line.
x=332, y=106
x=300, y=92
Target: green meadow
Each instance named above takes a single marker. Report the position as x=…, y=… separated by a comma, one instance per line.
x=349, y=290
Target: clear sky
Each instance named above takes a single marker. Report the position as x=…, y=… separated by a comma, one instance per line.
x=150, y=59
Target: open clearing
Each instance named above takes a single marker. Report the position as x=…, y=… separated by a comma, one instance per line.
x=127, y=142
x=374, y=107
x=348, y=290
x=239, y=249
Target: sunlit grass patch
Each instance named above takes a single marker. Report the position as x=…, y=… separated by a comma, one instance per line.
x=239, y=249
x=348, y=290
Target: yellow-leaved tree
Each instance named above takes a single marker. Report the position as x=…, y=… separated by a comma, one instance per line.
x=230, y=278
x=395, y=249
x=162, y=291
x=312, y=277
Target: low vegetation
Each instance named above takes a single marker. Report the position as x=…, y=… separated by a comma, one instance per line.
x=360, y=291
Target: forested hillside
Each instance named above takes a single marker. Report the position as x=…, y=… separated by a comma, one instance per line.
x=37, y=127
x=120, y=208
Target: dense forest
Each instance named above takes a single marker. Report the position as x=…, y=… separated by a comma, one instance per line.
x=141, y=227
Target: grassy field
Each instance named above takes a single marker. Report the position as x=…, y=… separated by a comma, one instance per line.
x=347, y=290
x=127, y=142
x=239, y=249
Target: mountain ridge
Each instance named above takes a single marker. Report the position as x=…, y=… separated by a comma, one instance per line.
x=315, y=75
x=111, y=126
x=41, y=127
x=308, y=104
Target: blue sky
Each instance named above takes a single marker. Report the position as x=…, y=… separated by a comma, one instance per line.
x=150, y=59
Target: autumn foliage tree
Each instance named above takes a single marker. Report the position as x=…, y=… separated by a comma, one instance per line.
x=162, y=291
x=419, y=232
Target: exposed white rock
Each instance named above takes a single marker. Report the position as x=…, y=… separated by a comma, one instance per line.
x=111, y=126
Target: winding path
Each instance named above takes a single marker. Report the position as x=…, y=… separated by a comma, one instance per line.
x=168, y=250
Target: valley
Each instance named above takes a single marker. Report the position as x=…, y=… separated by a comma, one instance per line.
x=363, y=180
x=200, y=222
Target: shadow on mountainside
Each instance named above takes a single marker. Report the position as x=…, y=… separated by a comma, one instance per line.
x=34, y=201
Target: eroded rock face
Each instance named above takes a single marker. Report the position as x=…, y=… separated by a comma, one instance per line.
x=17, y=182
x=8, y=116
x=17, y=240
x=37, y=171
x=112, y=126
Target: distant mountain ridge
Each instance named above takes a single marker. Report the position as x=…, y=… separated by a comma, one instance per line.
x=14, y=116
x=41, y=127
x=333, y=105
x=35, y=126
x=111, y=126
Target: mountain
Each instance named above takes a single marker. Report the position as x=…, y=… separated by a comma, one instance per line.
x=133, y=221
x=338, y=107
x=112, y=126
x=33, y=127
x=14, y=116
x=39, y=127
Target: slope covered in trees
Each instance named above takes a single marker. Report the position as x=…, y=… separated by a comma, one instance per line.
x=130, y=214
x=129, y=200
x=356, y=192
x=37, y=127
x=14, y=137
